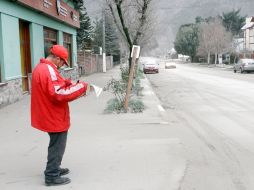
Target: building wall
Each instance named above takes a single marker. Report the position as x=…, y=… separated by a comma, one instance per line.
x=89, y=63
x=247, y=39
x=240, y=44
x=251, y=39
x=37, y=43
x=39, y=21
x=10, y=58
x=249, y=36
x=1, y=51
x=74, y=50
x=56, y=9
x=109, y=62
x=19, y=11
x=70, y=73
x=70, y=3
x=10, y=92
x=11, y=47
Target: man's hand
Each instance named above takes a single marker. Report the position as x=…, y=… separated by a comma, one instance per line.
x=91, y=88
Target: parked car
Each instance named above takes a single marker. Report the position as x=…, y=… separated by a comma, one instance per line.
x=170, y=65
x=244, y=65
x=151, y=66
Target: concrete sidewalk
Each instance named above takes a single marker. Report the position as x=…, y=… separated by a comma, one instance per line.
x=104, y=152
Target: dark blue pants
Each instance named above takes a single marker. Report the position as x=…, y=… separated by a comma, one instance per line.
x=56, y=151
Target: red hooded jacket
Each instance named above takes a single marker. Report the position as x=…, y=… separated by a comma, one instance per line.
x=50, y=95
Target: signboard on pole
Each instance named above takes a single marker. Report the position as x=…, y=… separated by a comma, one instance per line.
x=137, y=49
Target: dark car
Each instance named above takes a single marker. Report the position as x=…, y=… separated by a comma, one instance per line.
x=151, y=66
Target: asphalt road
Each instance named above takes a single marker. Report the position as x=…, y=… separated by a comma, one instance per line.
x=211, y=111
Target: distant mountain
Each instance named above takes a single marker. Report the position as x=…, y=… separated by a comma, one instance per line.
x=171, y=14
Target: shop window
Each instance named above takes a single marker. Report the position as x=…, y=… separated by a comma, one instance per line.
x=67, y=44
x=50, y=39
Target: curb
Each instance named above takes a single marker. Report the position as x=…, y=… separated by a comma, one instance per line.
x=156, y=104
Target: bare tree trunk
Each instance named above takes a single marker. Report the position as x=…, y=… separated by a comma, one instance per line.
x=216, y=56
x=208, y=57
x=235, y=59
x=124, y=31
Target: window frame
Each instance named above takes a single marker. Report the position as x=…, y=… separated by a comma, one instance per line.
x=67, y=43
x=49, y=38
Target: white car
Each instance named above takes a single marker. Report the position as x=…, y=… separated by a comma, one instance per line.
x=170, y=65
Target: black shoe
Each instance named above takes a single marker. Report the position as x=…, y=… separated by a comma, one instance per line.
x=64, y=171
x=57, y=181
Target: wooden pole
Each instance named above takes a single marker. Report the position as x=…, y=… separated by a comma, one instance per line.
x=133, y=62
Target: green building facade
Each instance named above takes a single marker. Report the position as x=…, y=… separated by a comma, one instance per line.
x=27, y=30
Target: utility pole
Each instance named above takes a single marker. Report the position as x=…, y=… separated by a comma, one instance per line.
x=104, y=65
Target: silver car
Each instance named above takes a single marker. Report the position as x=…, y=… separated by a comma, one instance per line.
x=244, y=65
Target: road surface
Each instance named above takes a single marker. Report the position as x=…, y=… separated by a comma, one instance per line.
x=212, y=112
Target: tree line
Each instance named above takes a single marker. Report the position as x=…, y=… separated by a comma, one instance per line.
x=210, y=36
x=90, y=34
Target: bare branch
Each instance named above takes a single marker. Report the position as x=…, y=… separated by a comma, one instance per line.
x=142, y=19
x=115, y=19
x=132, y=20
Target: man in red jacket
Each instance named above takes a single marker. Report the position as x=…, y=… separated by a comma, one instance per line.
x=50, y=111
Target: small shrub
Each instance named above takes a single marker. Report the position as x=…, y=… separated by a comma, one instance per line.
x=125, y=74
x=136, y=106
x=119, y=88
x=114, y=106
x=140, y=74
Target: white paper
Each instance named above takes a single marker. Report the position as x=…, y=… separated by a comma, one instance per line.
x=97, y=90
